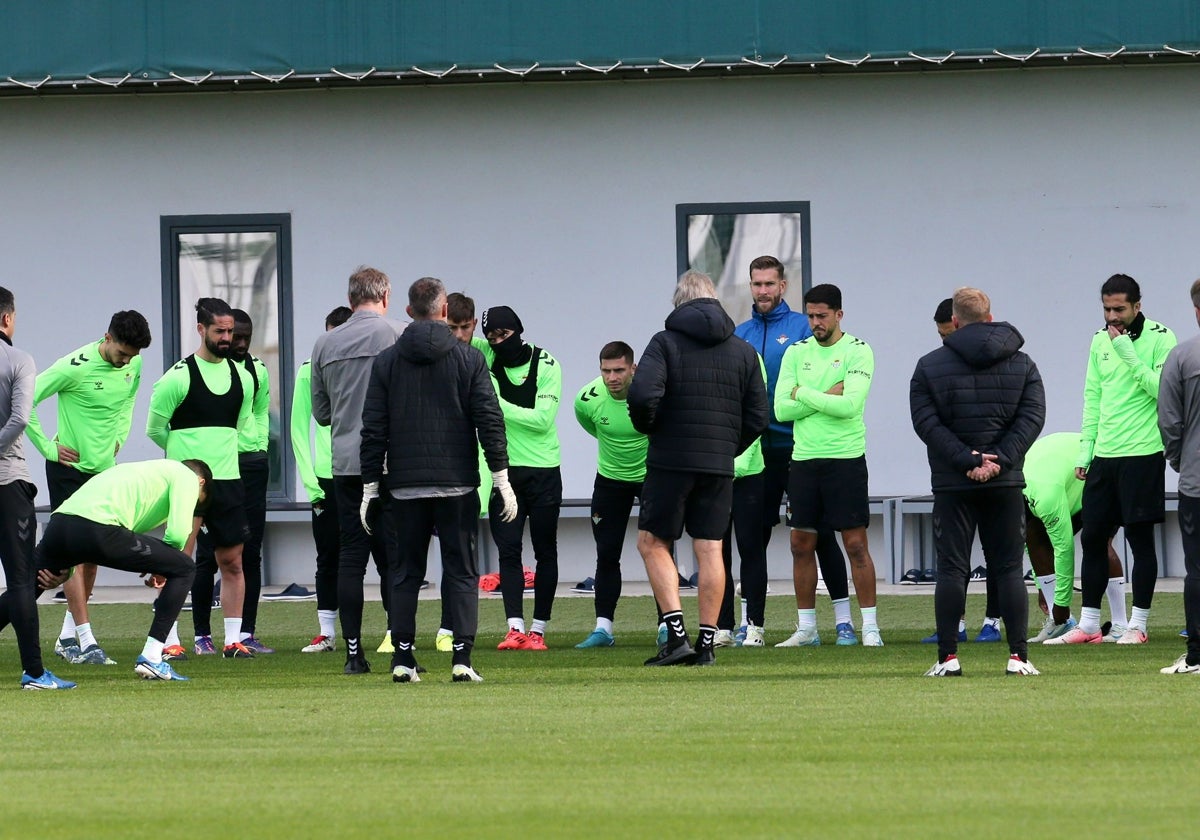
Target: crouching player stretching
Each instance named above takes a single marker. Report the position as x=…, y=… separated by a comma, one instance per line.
x=104, y=522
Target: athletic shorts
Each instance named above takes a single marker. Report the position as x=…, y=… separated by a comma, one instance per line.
x=62, y=481
x=672, y=500
x=1125, y=491
x=829, y=493
x=225, y=523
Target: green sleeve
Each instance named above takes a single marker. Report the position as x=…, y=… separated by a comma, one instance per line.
x=301, y=433
x=262, y=407
x=184, y=491
x=1145, y=376
x=246, y=414
x=787, y=408
x=586, y=393
x=49, y=382
x=168, y=392
x=1091, y=411
x=860, y=367
x=541, y=417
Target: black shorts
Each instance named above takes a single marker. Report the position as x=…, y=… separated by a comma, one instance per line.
x=1125, y=491
x=672, y=500
x=829, y=493
x=62, y=481
x=225, y=523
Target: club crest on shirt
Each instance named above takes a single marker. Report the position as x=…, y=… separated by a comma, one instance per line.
x=783, y=339
x=835, y=364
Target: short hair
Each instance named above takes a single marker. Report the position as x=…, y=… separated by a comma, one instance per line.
x=424, y=296
x=240, y=316
x=971, y=305
x=337, y=316
x=129, y=327
x=944, y=311
x=693, y=285
x=1122, y=284
x=616, y=350
x=459, y=307
x=825, y=293
x=8, y=304
x=368, y=285
x=766, y=262
x=199, y=467
x=1196, y=294
x=209, y=309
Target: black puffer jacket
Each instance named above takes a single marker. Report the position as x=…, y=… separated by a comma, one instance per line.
x=698, y=393
x=977, y=392
x=427, y=395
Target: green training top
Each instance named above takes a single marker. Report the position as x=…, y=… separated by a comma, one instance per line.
x=622, y=448
x=95, y=406
x=532, y=435
x=750, y=462
x=302, y=440
x=254, y=433
x=217, y=446
x=825, y=425
x=1054, y=495
x=140, y=496
x=1120, y=394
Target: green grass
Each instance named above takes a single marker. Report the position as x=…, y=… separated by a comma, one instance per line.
x=827, y=741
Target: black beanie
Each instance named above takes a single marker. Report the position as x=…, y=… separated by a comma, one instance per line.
x=501, y=318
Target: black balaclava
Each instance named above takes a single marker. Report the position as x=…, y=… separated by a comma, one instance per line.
x=513, y=351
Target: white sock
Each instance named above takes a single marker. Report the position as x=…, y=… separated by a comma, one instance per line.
x=745, y=621
x=1138, y=619
x=538, y=627
x=991, y=622
x=173, y=636
x=517, y=624
x=86, y=639
x=604, y=624
x=806, y=619
x=841, y=611
x=1089, y=619
x=1115, y=591
x=1046, y=584
x=868, y=618
x=153, y=650
x=327, y=619
x=233, y=631
x=68, y=628
x=962, y=625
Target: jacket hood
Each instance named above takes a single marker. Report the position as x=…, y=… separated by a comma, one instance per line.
x=424, y=342
x=702, y=320
x=982, y=345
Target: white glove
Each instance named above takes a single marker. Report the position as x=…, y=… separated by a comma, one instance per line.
x=370, y=494
x=507, y=496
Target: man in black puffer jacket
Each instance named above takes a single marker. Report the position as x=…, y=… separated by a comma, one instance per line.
x=700, y=397
x=429, y=399
x=978, y=404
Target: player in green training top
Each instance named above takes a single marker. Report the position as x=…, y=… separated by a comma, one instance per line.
x=1053, y=501
x=1121, y=454
x=105, y=523
x=254, y=436
x=822, y=387
x=96, y=387
x=316, y=474
x=196, y=409
x=601, y=410
x=528, y=381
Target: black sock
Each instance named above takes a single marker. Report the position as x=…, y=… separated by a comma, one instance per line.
x=352, y=648
x=676, y=632
x=707, y=634
x=404, y=653
x=462, y=651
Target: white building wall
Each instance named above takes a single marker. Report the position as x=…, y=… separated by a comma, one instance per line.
x=558, y=199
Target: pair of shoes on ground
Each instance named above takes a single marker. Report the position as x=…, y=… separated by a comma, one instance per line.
x=682, y=654
x=291, y=592
x=597, y=638
x=1016, y=667
x=516, y=640
x=69, y=650
x=916, y=576
x=1120, y=635
x=587, y=586
x=810, y=637
x=749, y=635
x=246, y=649
x=320, y=644
x=987, y=633
x=459, y=673
x=1050, y=630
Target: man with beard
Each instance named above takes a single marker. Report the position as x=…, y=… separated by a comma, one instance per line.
x=978, y=404
x=196, y=409
x=253, y=438
x=528, y=381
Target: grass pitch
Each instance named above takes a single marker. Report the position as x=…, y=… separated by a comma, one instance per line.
x=828, y=741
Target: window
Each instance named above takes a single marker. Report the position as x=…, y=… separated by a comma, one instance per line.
x=246, y=261
x=722, y=239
